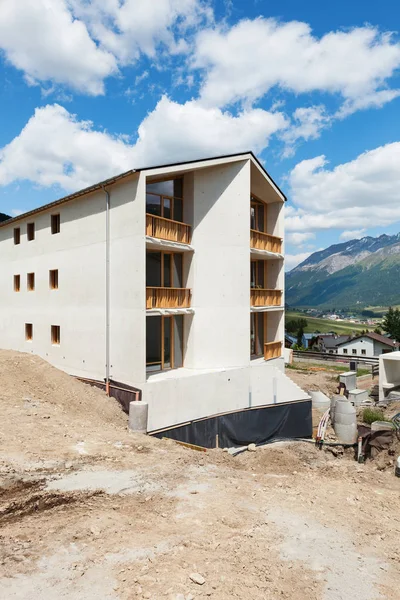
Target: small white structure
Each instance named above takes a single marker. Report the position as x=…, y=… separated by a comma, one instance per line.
x=368, y=345
x=169, y=279
x=358, y=397
x=349, y=379
x=389, y=374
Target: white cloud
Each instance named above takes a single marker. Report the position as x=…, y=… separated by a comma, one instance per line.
x=292, y=260
x=372, y=100
x=55, y=147
x=79, y=43
x=299, y=238
x=128, y=28
x=244, y=62
x=176, y=131
x=357, y=194
x=355, y=234
x=41, y=38
x=308, y=124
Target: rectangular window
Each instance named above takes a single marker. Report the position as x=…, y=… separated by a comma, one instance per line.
x=258, y=274
x=258, y=215
x=363, y=351
x=55, y=335
x=17, y=283
x=30, y=282
x=164, y=269
x=164, y=343
x=30, y=231
x=28, y=332
x=344, y=350
x=55, y=224
x=164, y=199
x=258, y=330
x=53, y=279
x=354, y=351
x=17, y=236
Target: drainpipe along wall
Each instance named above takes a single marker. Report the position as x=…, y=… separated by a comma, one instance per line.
x=107, y=299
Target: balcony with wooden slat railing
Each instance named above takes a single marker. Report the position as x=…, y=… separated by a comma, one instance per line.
x=264, y=241
x=167, y=229
x=167, y=297
x=272, y=350
x=263, y=297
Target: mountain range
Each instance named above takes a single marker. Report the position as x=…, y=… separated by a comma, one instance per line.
x=354, y=274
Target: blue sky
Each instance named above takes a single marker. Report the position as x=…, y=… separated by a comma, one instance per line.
x=94, y=87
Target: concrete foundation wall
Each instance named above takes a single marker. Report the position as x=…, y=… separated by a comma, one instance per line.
x=192, y=395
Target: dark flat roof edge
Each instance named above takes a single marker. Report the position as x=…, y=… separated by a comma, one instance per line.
x=199, y=160
x=116, y=178
x=64, y=199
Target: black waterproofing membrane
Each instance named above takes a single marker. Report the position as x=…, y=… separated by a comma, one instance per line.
x=255, y=425
x=122, y=392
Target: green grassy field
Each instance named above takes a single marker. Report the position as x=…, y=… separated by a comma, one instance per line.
x=325, y=325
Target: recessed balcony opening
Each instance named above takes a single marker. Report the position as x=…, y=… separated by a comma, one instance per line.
x=260, y=239
x=257, y=334
x=262, y=292
x=164, y=211
x=264, y=335
x=164, y=281
x=164, y=343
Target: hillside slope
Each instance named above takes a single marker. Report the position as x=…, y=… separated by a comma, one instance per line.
x=357, y=273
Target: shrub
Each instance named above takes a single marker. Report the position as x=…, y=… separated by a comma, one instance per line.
x=372, y=414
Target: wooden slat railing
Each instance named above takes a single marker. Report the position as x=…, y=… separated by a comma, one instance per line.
x=166, y=297
x=262, y=297
x=265, y=241
x=167, y=229
x=272, y=350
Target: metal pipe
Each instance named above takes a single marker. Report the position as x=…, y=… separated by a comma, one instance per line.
x=107, y=299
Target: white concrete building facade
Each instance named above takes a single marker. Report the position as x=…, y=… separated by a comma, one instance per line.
x=169, y=279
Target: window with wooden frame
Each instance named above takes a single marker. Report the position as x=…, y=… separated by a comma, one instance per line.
x=17, y=236
x=30, y=282
x=258, y=331
x=28, y=332
x=363, y=351
x=30, y=231
x=164, y=269
x=17, y=283
x=55, y=224
x=258, y=274
x=53, y=279
x=165, y=199
x=55, y=335
x=344, y=350
x=258, y=215
x=164, y=343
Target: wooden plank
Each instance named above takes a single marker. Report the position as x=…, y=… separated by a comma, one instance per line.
x=186, y=445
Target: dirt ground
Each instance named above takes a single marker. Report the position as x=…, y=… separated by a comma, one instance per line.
x=90, y=511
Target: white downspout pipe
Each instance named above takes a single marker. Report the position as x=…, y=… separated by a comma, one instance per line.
x=107, y=299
